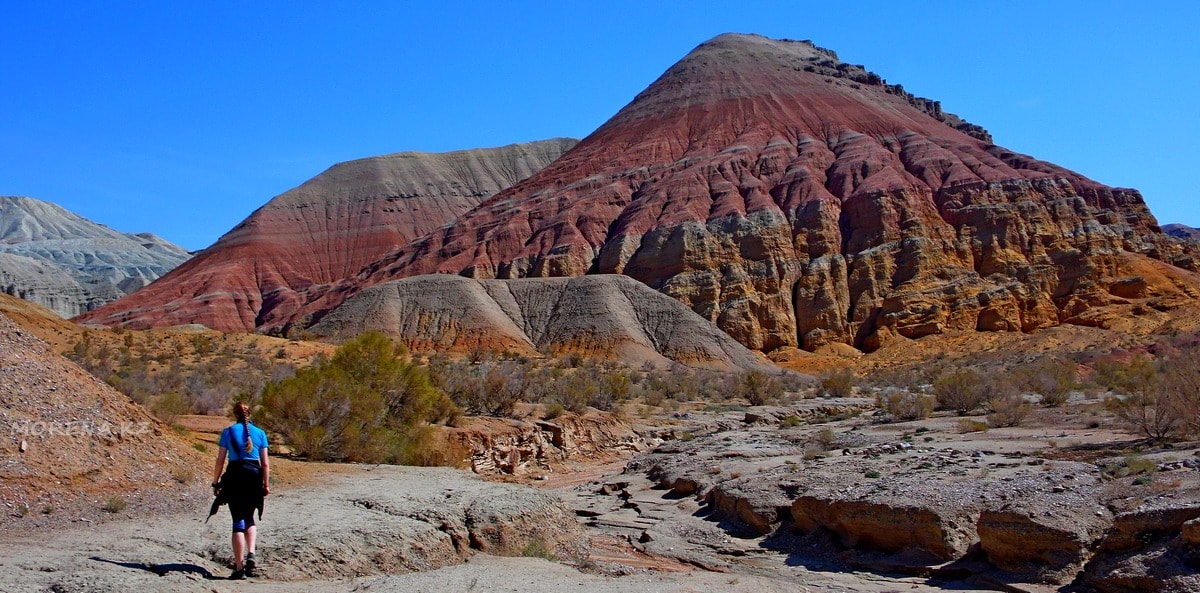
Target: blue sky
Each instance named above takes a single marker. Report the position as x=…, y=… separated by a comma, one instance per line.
x=182, y=118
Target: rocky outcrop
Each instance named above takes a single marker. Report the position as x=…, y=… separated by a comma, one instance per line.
x=1151, y=548
x=71, y=265
x=795, y=208
x=899, y=506
x=605, y=316
x=493, y=446
x=1046, y=537
x=1132, y=529
x=304, y=240
x=396, y=520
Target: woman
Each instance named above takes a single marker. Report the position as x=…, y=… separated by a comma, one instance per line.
x=245, y=482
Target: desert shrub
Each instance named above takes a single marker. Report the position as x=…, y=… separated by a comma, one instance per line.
x=1162, y=405
x=758, y=388
x=168, y=406
x=959, y=391
x=114, y=505
x=1007, y=409
x=1124, y=377
x=553, y=411
x=490, y=388
x=1137, y=464
x=966, y=425
x=537, y=548
x=905, y=405
x=825, y=439
x=1053, y=380
x=366, y=403
x=182, y=474
x=839, y=383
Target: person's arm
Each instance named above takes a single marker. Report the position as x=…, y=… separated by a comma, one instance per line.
x=219, y=467
x=265, y=460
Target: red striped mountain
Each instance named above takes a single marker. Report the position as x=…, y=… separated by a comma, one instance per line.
x=796, y=200
x=325, y=230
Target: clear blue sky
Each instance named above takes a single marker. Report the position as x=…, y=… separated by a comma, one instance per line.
x=181, y=118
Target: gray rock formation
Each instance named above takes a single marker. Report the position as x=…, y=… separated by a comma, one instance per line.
x=70, y=264
x=608, y=316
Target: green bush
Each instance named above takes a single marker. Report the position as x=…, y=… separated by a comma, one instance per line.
x=1053, y=380
x=959, y=391
x=838, y=383
x=1007, y=409
x=905, y=405
x=366, y=403
x=758, y=388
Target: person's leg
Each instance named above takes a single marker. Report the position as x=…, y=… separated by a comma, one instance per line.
x=239, y=549
x=251, y=536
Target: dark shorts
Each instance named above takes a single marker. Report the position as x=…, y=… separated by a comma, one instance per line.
x=242, y=514
x=244, y=481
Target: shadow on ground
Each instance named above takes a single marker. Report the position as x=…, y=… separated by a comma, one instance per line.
x=163, y=570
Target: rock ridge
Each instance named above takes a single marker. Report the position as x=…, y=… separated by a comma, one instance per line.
x=70, y=264
x=606, y=316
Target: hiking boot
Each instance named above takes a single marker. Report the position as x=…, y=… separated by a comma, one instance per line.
x=251, y=565
x=237, y=575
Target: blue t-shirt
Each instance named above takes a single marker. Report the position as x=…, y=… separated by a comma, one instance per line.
x=233, y=439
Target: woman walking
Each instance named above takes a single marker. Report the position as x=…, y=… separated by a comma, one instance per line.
x=244, y=483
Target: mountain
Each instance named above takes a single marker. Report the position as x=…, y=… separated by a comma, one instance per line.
x=604, y=316
x=796, y=200
x=326, y=229
x=70, y=264
x=1182, y=231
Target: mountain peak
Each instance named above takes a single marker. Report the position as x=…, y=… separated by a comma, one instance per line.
x=788, y=197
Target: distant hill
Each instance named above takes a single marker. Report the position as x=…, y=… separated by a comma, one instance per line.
x=71, y=265
x=325, y=230
x=1182, y=231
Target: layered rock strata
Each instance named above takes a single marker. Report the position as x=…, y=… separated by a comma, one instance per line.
x=926, y=508
x=72, y=265
x=787, y=197
x=793, y=207
x=304, y=240
x=605, y=316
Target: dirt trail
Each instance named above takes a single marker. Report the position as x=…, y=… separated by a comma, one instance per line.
x=385, y=528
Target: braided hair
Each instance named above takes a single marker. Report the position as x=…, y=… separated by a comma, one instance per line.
x=242, y=412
